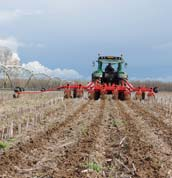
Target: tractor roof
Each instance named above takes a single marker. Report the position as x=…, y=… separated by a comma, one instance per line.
x=111, y=59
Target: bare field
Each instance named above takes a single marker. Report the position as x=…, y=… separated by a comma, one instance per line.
x=44, y=136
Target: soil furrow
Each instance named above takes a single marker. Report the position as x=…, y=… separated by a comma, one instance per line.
x=160, y=127
x=99, y=158
x=146, y=160
x=116, y=162
x=12, y=159
x=96, y=139
x=60, y=142
x=75, y=159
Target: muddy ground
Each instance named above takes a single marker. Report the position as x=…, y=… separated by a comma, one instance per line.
x=103, y=138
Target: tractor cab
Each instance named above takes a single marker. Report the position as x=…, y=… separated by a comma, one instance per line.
x=110, y=70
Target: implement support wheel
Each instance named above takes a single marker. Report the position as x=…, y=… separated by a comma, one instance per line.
x=96, y=95
x=121, y=96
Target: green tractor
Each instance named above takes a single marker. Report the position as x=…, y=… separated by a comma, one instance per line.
x=110, y=70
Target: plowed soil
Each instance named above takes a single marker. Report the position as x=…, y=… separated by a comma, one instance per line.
x=103, y=139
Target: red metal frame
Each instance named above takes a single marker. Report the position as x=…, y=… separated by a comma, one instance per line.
x=125, y=87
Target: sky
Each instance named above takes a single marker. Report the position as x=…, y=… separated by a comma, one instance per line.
x=67, y=35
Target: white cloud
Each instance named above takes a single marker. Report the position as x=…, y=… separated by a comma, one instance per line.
x=7, y=57
x=8, y=51
x=10, y=15
x=37, y=67
x=13, y=60
x=11, y=43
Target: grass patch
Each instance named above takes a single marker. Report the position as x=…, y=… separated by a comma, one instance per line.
x=94, y=166
x=11, y=140
x=84, y=131
x=117, y=123
x=4, y=145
